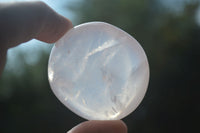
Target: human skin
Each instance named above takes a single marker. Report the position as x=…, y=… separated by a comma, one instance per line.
x=23, y=21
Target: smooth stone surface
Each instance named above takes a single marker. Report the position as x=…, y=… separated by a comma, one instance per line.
x=98, y=71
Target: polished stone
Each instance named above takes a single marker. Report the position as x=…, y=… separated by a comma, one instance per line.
x=98, y=71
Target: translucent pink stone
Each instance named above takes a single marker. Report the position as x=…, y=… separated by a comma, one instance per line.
x=98, y=71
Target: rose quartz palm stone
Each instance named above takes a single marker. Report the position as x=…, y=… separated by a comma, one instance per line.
x=98, y=71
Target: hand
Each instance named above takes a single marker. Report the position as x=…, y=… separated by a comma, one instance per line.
x=21, y=22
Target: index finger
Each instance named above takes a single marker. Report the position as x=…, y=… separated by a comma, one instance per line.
x=23, y=21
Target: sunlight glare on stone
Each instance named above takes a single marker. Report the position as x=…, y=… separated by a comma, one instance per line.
x=98, y=71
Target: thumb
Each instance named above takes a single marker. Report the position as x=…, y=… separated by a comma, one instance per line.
x=114, y=126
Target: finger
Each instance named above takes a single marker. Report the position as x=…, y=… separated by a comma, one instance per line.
x=22, y=21
x=116, y=126
x=53, y=27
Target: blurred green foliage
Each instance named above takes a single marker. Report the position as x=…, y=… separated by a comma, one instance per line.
x=171, y=40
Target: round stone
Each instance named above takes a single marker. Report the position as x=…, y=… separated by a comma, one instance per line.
x=98, y=71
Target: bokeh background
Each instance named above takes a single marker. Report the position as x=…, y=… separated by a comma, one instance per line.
x=169, y=32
